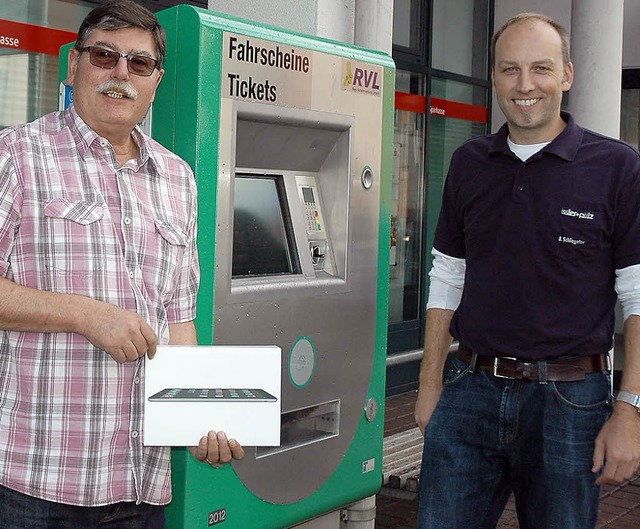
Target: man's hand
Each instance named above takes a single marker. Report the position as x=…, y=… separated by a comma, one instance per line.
x=217, y=450
x=617, y=450
x=123, y=334
x=425, y=405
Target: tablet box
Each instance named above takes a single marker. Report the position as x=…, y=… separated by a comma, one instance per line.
x=251, y=415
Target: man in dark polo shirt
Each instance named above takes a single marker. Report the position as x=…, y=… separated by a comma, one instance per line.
x=539, y=233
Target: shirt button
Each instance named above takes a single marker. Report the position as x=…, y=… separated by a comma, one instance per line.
x=136, y=380
x=127, y=221
x=131, y=275
x=520, y=188
x=134, y=434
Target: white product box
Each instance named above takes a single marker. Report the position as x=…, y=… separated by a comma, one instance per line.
x=191, y=389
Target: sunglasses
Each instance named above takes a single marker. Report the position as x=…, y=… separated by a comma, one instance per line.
x=108, y=59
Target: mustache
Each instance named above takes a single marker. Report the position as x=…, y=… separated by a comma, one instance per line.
x=114, y=85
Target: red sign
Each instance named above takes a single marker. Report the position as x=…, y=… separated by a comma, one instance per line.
x=453, y=109
x=411, y=102
x=28, y=37
x=441, y=107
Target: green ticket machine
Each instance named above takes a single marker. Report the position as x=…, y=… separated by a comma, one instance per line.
x=290, y=138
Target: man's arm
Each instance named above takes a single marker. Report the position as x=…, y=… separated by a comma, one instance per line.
x=124, y=335
x=437, y=341
x=183, y=333
x=445, y=291
x=617, y=449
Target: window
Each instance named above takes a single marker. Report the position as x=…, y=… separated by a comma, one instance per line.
x=29, y=80
x=406, y=209
x=459, y=41
x=409, y=26
x=441, y=50
x=458, y=112
x=630, y=111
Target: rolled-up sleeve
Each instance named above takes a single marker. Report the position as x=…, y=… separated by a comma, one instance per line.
x=446, y=281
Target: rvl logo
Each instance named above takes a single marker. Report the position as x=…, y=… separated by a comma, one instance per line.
x=369, y=78
x=361, y=79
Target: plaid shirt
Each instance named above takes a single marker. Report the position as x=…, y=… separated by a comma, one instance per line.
x=72, y=221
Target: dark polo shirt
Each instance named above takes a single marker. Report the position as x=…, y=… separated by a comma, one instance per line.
x=542, y=240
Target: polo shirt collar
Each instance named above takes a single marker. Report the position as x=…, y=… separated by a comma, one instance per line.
x=565, y=145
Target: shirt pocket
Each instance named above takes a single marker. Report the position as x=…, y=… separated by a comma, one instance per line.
x=80, y=212
x=79, y=262
x=172, y=242
x=576, y=231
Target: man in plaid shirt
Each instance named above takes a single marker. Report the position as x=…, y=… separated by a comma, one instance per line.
x=98, y=265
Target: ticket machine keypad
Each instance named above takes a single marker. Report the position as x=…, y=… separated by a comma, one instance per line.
x=312, y=216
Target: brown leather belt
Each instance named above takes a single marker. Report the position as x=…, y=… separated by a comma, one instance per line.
x=564, y=369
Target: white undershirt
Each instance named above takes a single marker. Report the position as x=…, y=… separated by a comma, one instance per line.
x=524, y=152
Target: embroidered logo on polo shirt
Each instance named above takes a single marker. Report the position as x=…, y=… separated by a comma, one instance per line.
x=570, y=240
x=586, y=215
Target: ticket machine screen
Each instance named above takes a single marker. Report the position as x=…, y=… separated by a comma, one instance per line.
x=262, y=233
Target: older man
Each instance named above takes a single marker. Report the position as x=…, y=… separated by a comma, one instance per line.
x=98, y=265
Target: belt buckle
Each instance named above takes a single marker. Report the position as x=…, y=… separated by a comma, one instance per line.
x=495, y=365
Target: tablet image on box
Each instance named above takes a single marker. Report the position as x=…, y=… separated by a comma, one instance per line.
x=212, y=395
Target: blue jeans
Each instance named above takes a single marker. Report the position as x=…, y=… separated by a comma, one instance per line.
x=19, y=511
x=492, y=436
